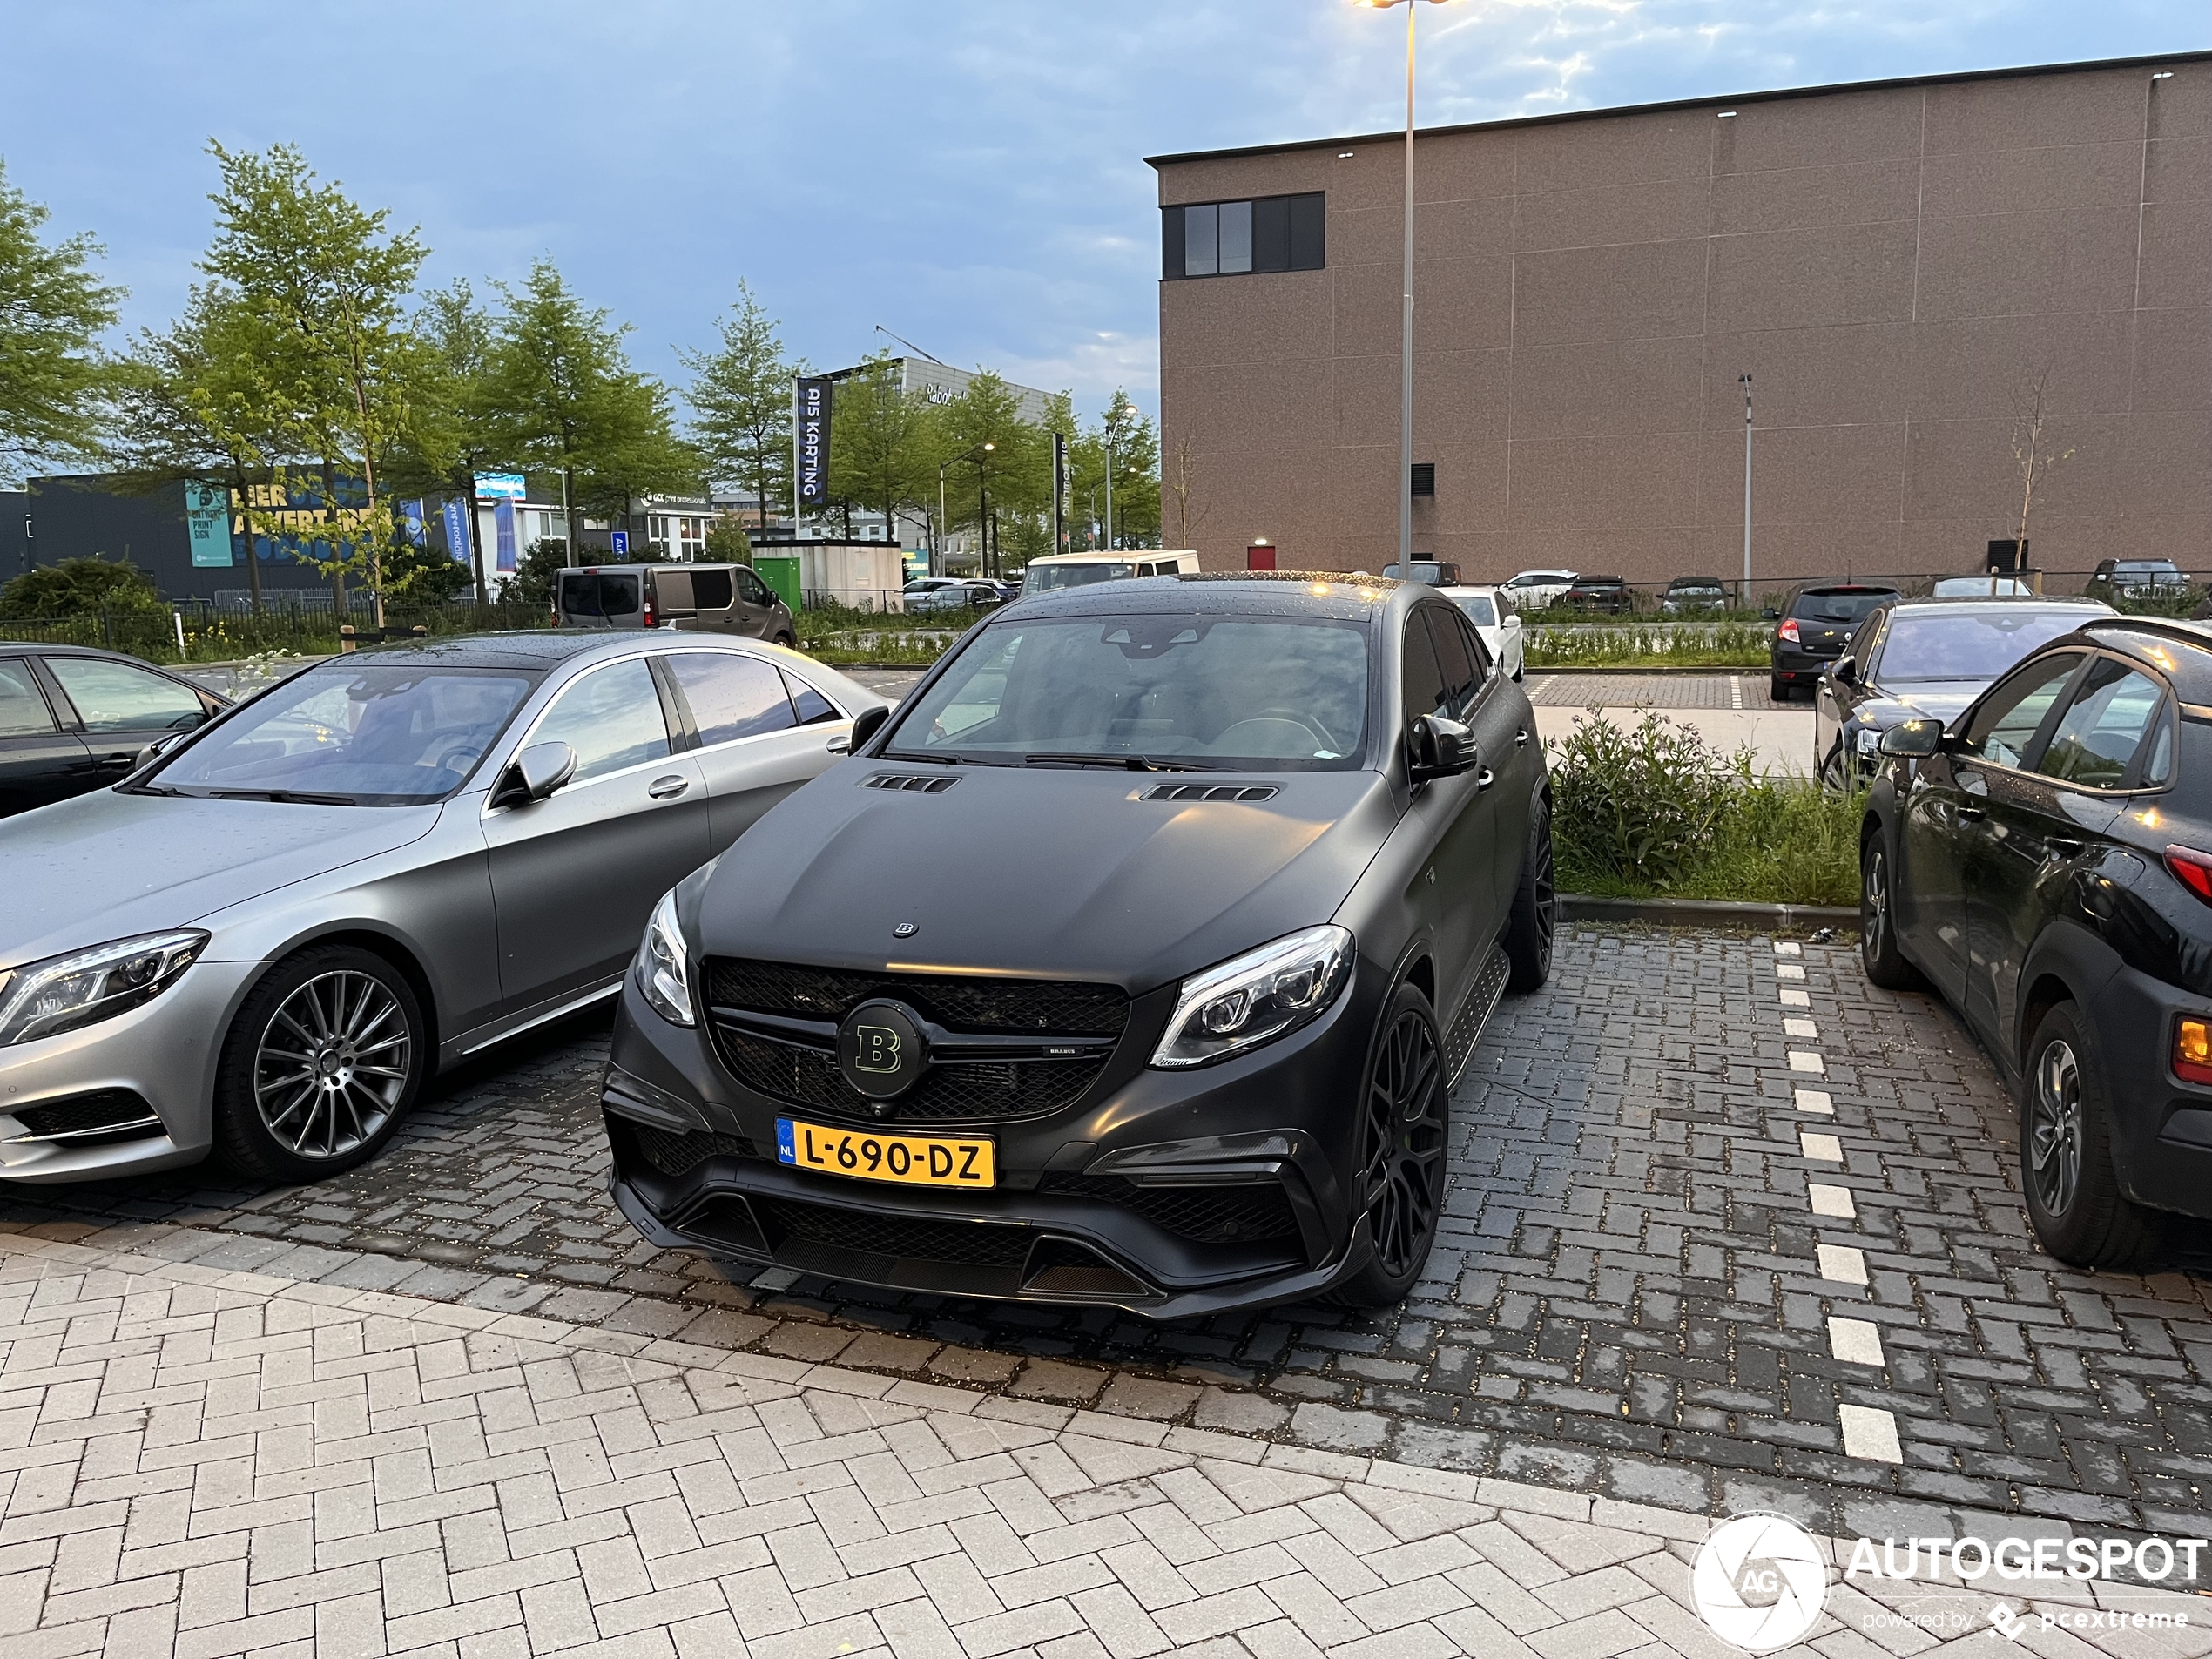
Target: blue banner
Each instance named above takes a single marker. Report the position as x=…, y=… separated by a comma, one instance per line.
x=814, y=441
x=411, y=516
x=502, y=519
x=455, y=514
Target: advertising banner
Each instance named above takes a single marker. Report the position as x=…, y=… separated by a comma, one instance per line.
x=500, y=486
x=207, y=516
x=814, y=441
x=411, y=516
x=455, y=514
x=503, y=523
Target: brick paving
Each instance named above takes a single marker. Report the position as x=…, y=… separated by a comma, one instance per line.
x=1650, y=1285
x=1630, y=690
x=199, y=1461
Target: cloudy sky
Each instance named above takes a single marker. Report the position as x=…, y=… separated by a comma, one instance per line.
x=967, y=172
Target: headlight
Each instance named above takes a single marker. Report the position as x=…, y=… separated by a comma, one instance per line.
x=42, y=999
x=1257, y=996
x=1869, y=739
x=664, y=966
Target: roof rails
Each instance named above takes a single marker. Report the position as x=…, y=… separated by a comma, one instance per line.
x=2189, y=633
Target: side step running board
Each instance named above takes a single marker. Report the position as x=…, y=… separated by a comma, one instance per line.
x=1474, y=1016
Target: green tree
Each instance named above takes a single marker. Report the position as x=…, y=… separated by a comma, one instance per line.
x=53, y=378
x=884, y=444
x=457, y=436
x=78, y=588
x=329, y=273
x=536, y=572
x=1016, y=471
x=559, y=394
x=740, y=399
x=1135, y=447
x=727, y=544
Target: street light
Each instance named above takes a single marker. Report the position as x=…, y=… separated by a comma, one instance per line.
x=974, y=455
x=1744, y=381
x=1113, y=415
x=1405, y=403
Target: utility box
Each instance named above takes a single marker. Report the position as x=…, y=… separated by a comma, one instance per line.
x=1260, y=555
x=781, y=574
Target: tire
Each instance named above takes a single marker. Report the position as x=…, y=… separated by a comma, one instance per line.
x=301, y=1113
x=2067, y=1175
x=1878, y=952
x=789, y=642
x=1405, y=1114
x=1534, y=917
x=1778, y=689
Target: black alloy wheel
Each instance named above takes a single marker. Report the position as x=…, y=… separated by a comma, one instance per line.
x=1534, y=920
x=2067, y=1175
x=1884, y=964
x=1403, y=1122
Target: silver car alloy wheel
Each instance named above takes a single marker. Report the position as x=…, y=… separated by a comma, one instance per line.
x=332, y=1065
x=2055, y=1128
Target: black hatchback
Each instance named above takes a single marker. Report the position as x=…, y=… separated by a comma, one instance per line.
x=2047, y=862
x=74, y=720
x=1813, y=631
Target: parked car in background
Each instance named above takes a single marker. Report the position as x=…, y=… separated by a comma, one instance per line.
x=1058, y=571
x=1533, y=590
x=265, y=938
x=925, y=585
x=702, y=598
x=1195, y=1050
x=1437, y=573
x=1597, y=596
x=1690, y=595
x=1981, y=587
x=1813, y=631
x=2046, y=863
x=1924, y=658
x=970, y=593
x=74, y=720
x=2137, y=579
x=1499, y=623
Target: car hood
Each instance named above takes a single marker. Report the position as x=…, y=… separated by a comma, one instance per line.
x=1041, y=872
x=1935, y=699
x=107, y=865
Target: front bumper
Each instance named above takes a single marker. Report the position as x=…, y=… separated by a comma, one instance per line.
x=1171, y=1194
x=162, y=1054
x=2162, y=1127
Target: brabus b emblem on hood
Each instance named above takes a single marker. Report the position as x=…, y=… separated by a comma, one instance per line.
x=882, y=1051
x=904, y=930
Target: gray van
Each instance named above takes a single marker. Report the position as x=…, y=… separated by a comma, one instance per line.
x=706, y=598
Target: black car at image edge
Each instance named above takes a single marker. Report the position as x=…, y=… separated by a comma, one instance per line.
x=2046, y=863
x=1267, y=851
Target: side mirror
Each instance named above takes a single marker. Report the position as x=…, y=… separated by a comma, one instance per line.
x=534, y=774
x=1846, y=669
x=1913, y=739
x=1441, y=748
x=160, y=747
x=867, y=723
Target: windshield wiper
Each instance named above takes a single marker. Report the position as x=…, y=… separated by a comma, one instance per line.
x=1126, y=763
x=283, y=796
x=145, y=789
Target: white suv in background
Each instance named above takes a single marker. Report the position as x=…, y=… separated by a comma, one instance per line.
x=1533, y=590
x=1498, y=620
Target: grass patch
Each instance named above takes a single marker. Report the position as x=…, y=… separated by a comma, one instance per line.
x=1695, y=644
x=1654, y=812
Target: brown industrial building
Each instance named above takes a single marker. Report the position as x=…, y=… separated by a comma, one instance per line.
x=1898, y=266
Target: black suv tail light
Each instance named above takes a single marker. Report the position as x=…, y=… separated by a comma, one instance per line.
x=2192, y=869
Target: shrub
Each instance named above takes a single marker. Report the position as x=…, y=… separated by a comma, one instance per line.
x=77, y=588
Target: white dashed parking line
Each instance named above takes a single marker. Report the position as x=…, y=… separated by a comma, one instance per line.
x=1816, y=1100
x=1834, y=1202
x=1806, y=1060
x=1821, y=1149
x=1870, y=1434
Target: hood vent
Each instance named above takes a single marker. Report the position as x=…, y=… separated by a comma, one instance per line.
x=1211, y=792
x=911, y=783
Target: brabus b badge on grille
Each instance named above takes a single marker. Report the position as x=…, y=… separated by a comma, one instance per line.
x=881, y=1050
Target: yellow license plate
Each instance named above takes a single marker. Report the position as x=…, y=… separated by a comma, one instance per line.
x=909, y=1160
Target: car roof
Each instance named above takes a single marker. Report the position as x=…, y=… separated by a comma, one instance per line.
x=534, y=652
x=1486, y=592
x=1697, y=582
x=2005, y=602
x=1331, y=594
x=2148, y=639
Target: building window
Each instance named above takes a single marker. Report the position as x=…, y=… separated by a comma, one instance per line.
x=1424, y=478
x=1229, y=238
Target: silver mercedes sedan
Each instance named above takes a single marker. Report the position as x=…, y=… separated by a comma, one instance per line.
x=267, y=936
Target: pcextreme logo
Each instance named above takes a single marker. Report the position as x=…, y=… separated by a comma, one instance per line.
x=1759, y=1581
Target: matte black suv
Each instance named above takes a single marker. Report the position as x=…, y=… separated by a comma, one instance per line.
x=2047, y=863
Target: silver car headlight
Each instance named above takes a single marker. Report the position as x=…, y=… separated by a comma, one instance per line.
x=43, y=999
x=665, y=967
x=1254, y=998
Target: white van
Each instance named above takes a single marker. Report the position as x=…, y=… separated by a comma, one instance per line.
x=1058, y=571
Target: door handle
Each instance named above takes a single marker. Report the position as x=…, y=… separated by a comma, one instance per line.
x=1972, y=814
x=840, y=745
x=1520, y=738
x=667, y=788
x=1484, y=778
x=2065, y=846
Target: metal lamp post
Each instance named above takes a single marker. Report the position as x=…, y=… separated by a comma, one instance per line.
x=1406, y=402
x=1112, y=418
x=1744, y=381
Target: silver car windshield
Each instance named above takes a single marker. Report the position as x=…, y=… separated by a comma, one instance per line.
x=1968, y=647
x=363, y=735
x=1205, y=693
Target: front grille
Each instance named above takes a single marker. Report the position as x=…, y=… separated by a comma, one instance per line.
x=969, y=1245
x=993, y=1092
x=1236, y=1215
x=958, y=1002
x=1212, y=791
x=111, y=1111
x=673, y=1154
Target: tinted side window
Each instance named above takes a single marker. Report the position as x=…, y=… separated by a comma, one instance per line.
x=22, y=708
x=579, y=593
x=2007, y=724
x=2104, y=724
x=673, y=589
x=732, y=695
x=711, y=590
x=611, y=718
x=1424, y=682
x=1453, y=661
x=813, y=706
x=114, y=697
x=618, y=595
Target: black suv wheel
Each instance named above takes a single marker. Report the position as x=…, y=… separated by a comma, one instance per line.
x=2073, y=1196
x=1403, y=1121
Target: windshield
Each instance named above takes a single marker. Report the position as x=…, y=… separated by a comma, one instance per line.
x=2161, y=568
x=355, y=734
x=1849, y=605
x=1478, y=610
x=1043, y=578
x=1211, y=693
x=1968, y=648
x=597, y=593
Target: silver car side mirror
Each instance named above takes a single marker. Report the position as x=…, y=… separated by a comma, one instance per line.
x=534, y=774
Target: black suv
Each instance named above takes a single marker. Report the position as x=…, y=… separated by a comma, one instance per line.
x=1598, y=596
x=2047, y=862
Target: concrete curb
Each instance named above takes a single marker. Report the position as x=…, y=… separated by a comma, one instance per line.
x=1708, y=912
x=1535, y=668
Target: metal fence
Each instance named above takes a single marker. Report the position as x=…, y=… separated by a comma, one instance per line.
x=206, y=631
